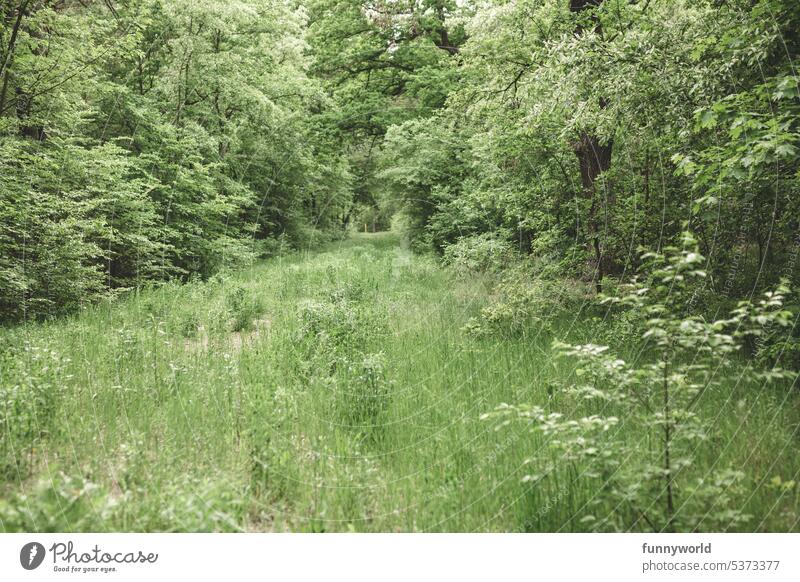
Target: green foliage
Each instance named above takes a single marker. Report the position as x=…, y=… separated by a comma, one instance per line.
x=686, y=359
x=190, y=504
x=159, y=140
x=713, y=134
x=154, y=141
x=338, y=331
x=152, y=149
x=484, y=253
x=524, y=301
x=364, y=377
x=60, y=503
x=31, y=386
x=243, y=307
x=73, y=503
x=363, y=399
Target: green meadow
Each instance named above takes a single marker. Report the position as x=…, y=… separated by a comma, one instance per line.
x=339, y=390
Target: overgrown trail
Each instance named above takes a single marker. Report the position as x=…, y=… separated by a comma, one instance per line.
x=330, y=390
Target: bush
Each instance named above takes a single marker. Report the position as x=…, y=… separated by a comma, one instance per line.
x=340, y=327
x=685, y=357
x=523, y=300
x=214, y=503
x=481, y=253
x=337, y=335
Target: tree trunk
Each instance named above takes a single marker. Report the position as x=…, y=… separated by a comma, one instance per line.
x=8, y=54
x=23, y=108
x=444, y=36
x=594, y=158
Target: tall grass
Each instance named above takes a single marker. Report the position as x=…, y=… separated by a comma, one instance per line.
x=328, y=391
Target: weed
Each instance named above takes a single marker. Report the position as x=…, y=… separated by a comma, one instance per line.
x=483, y=253
x=362, y=400
x=244, y=308
x=58, y=504
x=30, y=392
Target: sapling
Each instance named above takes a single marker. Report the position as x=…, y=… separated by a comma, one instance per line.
x=683, y=357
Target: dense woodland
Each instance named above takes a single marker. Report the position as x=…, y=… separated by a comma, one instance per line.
x=620, y=173
x=146, y=141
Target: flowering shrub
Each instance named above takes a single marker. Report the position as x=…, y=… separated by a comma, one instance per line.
x=685, y=357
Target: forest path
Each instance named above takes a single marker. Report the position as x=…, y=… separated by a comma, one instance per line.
x=328, y=390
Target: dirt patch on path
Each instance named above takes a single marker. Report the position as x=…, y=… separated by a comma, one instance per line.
x=235, y=341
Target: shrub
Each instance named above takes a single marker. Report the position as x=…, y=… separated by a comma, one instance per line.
x=481, y=253
x=353, y=292
x=336, y=336
x=686, y=357
x=523, y=301
x=341, y=327
x=213, y=503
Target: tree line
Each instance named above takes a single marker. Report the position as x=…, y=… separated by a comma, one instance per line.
x=144, y=140
x=588, y=130
x=151, y=140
